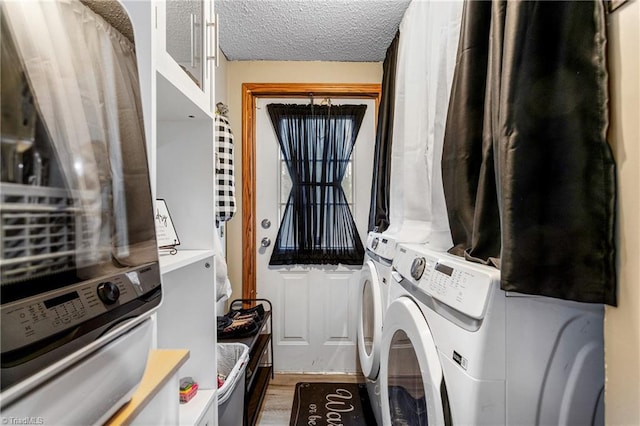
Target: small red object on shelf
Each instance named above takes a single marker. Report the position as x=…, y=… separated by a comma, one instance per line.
x=188, y=389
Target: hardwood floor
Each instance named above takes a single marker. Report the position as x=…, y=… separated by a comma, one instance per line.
x=276, y=408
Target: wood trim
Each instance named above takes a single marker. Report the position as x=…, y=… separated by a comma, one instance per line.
x=248, y=189
x=250, y=93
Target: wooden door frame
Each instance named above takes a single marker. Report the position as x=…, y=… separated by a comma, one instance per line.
x=250, y=93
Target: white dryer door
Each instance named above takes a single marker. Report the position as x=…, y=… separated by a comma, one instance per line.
x=412, y=384
x=369, y=320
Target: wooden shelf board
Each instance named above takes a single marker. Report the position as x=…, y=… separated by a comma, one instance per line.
x=161, y=366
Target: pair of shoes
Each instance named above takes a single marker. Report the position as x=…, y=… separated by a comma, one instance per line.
x=239, y=323
x=243, y=327
x=257, y=313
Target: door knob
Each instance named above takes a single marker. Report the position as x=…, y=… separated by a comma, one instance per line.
x=266, y=242
x=266, y=223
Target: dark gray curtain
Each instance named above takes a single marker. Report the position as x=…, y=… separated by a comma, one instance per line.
x=528, y=174
x=379, y=210
x=316, y=143
x=467, y=157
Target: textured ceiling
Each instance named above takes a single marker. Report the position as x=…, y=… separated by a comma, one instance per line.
x=308, y=30
x=112, y=12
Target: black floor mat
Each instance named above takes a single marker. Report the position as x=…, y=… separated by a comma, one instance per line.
x=322, y=404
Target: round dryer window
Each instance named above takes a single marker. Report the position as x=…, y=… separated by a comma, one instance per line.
x=413, y=391
x=369, y=321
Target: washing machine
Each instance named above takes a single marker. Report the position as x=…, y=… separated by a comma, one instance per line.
x=372, y=303
x=456, y=349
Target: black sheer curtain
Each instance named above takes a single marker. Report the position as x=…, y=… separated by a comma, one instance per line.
x=528, y=173
x=379, y=210
x=316, y=143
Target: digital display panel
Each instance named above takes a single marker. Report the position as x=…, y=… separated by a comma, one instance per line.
x=61, y=299
x=447, y=270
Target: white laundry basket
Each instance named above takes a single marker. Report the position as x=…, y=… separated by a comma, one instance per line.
x=232, y=363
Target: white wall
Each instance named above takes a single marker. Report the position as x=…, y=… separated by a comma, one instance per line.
x=622, y=323
x=239, y=72
x=221, y=79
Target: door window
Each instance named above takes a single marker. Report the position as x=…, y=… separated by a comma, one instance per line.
x=316, y=142
x=285, y=184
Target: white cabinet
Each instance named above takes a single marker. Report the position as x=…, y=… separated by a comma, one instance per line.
x=178, y=104
x=185, y=32
x=201, y=410
x=186, y=48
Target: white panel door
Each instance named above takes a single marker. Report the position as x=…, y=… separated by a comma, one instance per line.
x=315, y=306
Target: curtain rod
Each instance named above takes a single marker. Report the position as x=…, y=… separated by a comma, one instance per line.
x=325, y=101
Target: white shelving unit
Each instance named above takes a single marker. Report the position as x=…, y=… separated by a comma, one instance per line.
x=169, y=262
x=178, y=114
x=199, y=411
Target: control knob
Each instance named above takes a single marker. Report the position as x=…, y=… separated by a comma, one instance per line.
x=417, y=267
x=108, y=292
x=375, y=242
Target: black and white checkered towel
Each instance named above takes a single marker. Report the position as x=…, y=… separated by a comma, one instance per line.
x=225, y=181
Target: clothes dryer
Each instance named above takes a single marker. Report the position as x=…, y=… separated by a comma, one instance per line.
x=456, y=349
x=372, y=303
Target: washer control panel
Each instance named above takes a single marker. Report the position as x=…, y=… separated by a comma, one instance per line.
x=413, y=265
x=27, y=321
x=381, y=245
x=465, y=290
x=458, y=283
